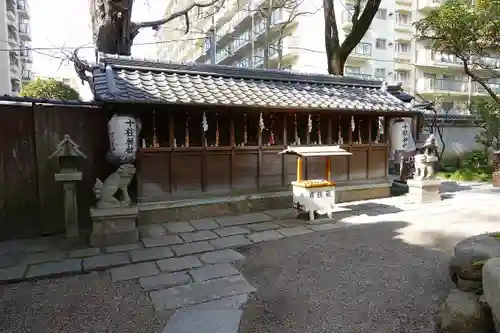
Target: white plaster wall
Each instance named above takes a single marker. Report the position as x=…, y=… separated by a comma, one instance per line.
x=460, y=140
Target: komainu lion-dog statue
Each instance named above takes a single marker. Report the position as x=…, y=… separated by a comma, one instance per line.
x=119, y=180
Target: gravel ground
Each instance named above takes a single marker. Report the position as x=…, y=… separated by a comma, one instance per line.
x=352, y=280
x=84, y=303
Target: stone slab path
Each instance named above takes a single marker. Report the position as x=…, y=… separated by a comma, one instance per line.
x=188, y=267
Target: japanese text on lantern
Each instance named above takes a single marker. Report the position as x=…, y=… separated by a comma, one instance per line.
x=405, y=135
x=129, y=133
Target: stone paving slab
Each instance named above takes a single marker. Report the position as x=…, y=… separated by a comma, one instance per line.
x=106, y=261
x=13, y=273
x=81, y=253
x=265, y=236
x=199, y=292
x=178, y=227
x=122, y=248
x=149, y=254
x=134, y=271
x=263, y=226
x=230, y=241
x=231, y=231
x=161, y=241
x=206, y=321
x=179, y=264
x=226, y=303
x=221, y=256
x=198, y=236
x=243, y=219
x=209, y=272
x=281, y=214
x=291, y=222
x=35, y=258
x=164, y=280
x=152, y=230
x=54, y=268
x=328, y=226
x=294, y=231
x=192, y=248
x=7, y=260
x=204, y=224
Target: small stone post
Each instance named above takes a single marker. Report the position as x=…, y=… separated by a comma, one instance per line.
x=496, y=171
x=68, y=154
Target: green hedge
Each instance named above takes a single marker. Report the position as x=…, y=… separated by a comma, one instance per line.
x=473, y=166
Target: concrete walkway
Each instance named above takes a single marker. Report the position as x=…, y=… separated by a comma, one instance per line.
x=188, y=268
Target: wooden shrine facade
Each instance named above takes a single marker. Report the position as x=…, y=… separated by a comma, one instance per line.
x=232, y=155
x=215, y=131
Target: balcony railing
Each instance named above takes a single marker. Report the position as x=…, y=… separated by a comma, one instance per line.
x=479, y=89
x=430, y=85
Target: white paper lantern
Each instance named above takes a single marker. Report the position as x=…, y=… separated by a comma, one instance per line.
x=401, y=137
x=123, y=137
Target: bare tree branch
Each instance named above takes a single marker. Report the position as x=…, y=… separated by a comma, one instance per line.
x=184, y=12
x=355, y=14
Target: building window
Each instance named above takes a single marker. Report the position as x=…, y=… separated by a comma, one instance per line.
x=403, y=47
x=350, y=71
x=382, y=14
x=380, y=73
x=403, y=18
x=447, y=106
x=401, y=76
x=381, y=43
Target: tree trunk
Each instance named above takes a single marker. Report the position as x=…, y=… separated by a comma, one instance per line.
x=337, y=63
x=112, y=26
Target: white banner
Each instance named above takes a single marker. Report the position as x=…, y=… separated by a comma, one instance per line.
x=401, y=137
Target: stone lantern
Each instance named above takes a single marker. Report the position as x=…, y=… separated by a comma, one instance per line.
x=68, y=155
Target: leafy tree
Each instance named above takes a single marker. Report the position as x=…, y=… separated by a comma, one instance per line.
x=337, y=53
x=469, y=32
x=49, y=89
x=489, y=115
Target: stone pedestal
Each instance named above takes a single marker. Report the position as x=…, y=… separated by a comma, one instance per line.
x=114, y=226
x=424, y=191
x=69, y=179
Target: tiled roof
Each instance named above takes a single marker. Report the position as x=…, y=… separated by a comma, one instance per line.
x=123, y=79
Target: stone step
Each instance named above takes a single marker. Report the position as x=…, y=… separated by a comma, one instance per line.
x=199, y=292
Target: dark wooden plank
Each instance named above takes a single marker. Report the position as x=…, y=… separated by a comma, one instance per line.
x=245, y=167
x=21, y=200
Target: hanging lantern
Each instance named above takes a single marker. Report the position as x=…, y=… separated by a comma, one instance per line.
x=123, y=138
x=401, y=137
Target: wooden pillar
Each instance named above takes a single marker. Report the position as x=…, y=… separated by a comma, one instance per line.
x=299, y=168
x=328, y=171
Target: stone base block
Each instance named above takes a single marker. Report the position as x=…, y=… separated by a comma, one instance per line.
x=424, y=191
x=114, y=226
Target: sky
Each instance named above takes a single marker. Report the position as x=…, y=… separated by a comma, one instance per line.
x=66, y=23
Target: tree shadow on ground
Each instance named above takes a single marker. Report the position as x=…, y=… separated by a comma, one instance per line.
x=359, y=279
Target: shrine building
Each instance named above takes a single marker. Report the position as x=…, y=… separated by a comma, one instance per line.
x=210, y=135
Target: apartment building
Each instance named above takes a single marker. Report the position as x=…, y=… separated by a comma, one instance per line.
x=15, y=51
x=388, y=50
